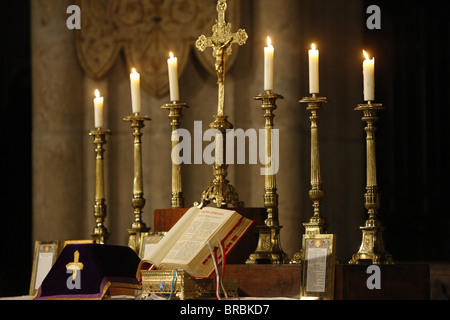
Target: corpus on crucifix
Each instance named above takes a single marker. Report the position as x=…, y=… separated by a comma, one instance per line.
x=221, y=41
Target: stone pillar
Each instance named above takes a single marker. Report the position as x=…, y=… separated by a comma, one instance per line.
x=57, y=125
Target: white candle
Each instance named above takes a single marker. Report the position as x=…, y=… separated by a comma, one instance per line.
x=313, y=69
x=98, y=110
x=135, y=82
x=369, y=78
x=172, y=64
x=268, y=66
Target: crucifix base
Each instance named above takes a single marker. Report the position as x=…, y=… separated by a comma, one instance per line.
x=220, y=192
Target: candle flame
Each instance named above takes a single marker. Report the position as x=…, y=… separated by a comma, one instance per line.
x=133, y=71
x=313, y=46
x=97, y=93
x=171, y=55
x=269, y=42
x=366, y=55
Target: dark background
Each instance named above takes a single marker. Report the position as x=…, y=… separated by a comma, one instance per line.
x=15, y=160
x=412, y=52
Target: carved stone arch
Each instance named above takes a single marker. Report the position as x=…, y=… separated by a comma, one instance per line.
x=146, y=31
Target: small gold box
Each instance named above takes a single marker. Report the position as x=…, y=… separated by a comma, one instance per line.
x=180, y=284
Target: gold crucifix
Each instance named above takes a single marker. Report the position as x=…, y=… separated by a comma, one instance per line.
x=221, y=41
x=75, y=265
x=220, y=191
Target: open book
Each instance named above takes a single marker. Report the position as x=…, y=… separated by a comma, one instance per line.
x=189, y=243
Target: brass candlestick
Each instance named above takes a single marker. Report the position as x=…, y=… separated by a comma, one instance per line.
x=316, y=224
x=372, y=245
x=100, y=233
x=175, y=115
x=220, y=191
x=268, y=250
x=138, y=202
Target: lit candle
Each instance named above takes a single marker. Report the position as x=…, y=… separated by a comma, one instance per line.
x=135, y=82
x=369, y=78
x=172, y=64
x=98, y=110
x=313, y=69
x=268, y=66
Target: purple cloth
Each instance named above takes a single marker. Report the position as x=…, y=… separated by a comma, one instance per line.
x=103, y=266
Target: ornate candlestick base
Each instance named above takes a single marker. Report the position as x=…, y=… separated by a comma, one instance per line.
x=315, y=225
x=220, y=192
x=175, y=115
x=268, y=250
x=138, y=202
x=100, y=233
x=372, y=244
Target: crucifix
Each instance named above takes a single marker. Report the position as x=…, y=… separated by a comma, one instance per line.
x=220, y=191
x=75, y=265
x=221, y=41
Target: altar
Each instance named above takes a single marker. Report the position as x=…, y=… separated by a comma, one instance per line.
x=402, y=281
x=269, y=282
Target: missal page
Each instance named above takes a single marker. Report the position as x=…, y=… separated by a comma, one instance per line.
x=195, y=237
x=157, y=254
